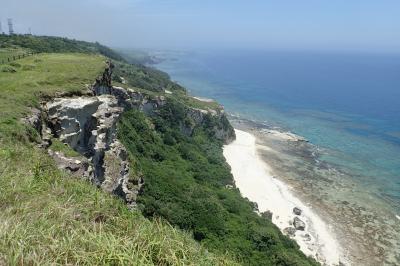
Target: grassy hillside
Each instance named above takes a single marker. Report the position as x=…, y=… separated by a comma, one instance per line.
x=47, y=217
x=24, y=81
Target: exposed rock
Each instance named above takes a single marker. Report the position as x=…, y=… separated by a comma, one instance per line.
x=297, y=211
x=106, y=79
x=34, y=119
x=298, y=224
x=76, y=167
x=88, y=125
x=290, y=231
x=221, y=128
x=131, y=99
x=267, y=215
x=307, y=237
x=117, y=178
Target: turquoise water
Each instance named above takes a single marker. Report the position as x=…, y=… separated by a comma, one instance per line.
x=346, y=104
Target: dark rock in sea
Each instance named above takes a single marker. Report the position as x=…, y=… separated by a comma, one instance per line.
x=345, y=202
x=297, y=211
x=299, y=224
x=267, y=215
x=290, y=231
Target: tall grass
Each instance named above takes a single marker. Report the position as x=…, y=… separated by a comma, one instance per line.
x=47, y=217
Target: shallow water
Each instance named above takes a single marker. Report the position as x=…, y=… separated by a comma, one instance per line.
x=347, y=106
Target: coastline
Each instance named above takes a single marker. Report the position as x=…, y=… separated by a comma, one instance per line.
x=359, y=216
x=255, y=181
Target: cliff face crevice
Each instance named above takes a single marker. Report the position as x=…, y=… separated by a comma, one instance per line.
x=88, y=125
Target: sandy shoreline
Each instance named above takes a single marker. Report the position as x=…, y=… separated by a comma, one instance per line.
x=254, y=179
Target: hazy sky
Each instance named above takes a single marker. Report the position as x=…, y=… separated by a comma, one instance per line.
x=286, y=24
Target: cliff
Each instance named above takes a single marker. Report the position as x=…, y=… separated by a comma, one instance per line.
x=88, y=125
x=133, y=133
x=47, y=217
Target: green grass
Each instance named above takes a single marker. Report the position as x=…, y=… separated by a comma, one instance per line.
x=57, y=145
x=10, y=52
x=50, y=218
x=39, y=76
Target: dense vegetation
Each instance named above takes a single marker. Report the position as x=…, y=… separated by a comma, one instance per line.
x=146, y=78
x=49, y=44
x=49, y=218
x=188, y=183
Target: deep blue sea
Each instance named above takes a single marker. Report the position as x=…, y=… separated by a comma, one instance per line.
x=347, y=104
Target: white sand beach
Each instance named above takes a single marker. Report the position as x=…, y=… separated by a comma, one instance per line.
x=254, y=179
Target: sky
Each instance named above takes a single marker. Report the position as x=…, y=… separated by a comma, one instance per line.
x=354, y=25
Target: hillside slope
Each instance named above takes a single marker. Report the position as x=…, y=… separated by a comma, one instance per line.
x=170, y=140
x=47, y=217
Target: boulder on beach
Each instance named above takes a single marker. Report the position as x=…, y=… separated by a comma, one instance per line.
x=307, y=237
x=290, y=231
x=267, y=215
x=297, y=211
x=298, y=224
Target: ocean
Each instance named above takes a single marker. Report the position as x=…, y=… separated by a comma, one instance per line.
x=346, y=105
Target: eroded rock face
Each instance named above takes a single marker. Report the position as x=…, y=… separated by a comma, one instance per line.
x=77, y=167
x=35, y=119
x=88, y=125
